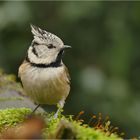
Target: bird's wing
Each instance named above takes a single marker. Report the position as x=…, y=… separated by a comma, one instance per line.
x=22, y=68
x=67, y=74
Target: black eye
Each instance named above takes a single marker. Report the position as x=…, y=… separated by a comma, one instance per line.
x=50, y=46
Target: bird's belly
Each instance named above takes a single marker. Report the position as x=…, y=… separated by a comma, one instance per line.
x=45, y=86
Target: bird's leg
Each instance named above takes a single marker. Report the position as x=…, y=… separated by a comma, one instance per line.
x=35, y=109
x=32, y=113
x=60, y=106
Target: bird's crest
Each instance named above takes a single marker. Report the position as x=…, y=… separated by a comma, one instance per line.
x=36, y=31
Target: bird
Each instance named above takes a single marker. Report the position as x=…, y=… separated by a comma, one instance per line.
x=44, y=76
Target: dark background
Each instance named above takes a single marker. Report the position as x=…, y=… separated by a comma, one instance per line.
x=104, y=62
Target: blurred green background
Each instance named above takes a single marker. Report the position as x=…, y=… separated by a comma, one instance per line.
x=104, y=62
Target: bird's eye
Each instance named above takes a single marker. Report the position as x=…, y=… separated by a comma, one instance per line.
x=50, y=46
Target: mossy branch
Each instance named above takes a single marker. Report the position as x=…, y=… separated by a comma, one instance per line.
x=16, y=122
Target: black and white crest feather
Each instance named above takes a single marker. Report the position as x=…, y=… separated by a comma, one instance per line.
x=36, y=31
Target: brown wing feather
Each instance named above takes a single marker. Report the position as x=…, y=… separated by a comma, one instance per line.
x=22, y=68
x=67, y=74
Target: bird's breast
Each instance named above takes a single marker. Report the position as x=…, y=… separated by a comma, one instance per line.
x=45, y=85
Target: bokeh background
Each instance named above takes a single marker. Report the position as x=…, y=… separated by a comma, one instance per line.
x=104, y=62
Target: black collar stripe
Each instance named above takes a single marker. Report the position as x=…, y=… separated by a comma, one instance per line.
x=41, y=65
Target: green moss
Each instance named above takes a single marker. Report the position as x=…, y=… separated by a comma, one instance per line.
x=11, y=117
x=83, y=131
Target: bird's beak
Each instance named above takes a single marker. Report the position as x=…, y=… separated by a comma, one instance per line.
x=65, y=47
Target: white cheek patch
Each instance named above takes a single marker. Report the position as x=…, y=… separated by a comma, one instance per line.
x=49, y=58
x=41, y=51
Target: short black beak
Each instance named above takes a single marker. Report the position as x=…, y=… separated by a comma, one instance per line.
x=65, y=47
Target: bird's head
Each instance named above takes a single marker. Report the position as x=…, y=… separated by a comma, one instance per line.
x=46, y=47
